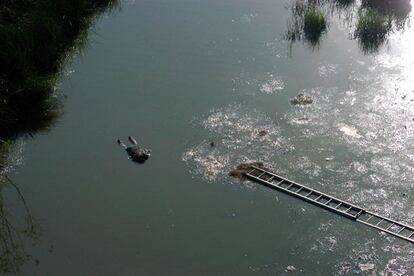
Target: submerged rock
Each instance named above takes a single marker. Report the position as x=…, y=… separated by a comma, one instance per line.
x=244, y=168
x=263, y=132
x=301, y=99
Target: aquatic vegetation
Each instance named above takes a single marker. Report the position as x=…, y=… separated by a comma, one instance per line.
x=375, y=20
x=243, y=168
x=12, y=250
x=343, y=4
x=372, y=30
x=38, y=38
x=301, y=99
x=308, y=24
x=396, y=10
x=314, y=25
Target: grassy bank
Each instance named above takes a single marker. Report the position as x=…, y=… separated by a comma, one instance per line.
x=38, y=38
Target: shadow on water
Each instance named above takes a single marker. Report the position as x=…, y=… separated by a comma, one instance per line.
x=375, y=21
x=38, y=38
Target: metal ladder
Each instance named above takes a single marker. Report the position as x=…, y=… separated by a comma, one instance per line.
x=331, y=203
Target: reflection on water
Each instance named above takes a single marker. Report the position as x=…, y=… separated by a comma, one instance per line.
x=39, y=37
x=397, y=10
x=354, y=141
x=14, y=231
x=308, y=23
x=375, y=20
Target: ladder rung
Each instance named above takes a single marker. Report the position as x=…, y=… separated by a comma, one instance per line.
x=278, y=183
x=250, y=172
x=269, y=179
x=392, y=224
x=371, y=216
x=402, y=229
x=359, y=213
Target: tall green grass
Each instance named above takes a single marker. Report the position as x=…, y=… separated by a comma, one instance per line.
x=373, y=20
x=37, y=38
x=308, y=23
x=314, y=25
x=372, y=30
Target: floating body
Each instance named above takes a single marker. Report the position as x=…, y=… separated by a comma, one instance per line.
x=136, y=153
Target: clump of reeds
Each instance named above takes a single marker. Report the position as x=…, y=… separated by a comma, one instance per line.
x=372, y=30
x=314, y=25
x=308, y=23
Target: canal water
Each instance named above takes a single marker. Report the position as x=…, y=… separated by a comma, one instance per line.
x=178, y=75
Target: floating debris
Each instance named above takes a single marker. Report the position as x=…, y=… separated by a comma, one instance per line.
x=301, y=99
x=366, y=267
x=263, y=132
x=244, y=168
x=349, y=131
x=235, y=132
x=272, y=85
x=290, y=268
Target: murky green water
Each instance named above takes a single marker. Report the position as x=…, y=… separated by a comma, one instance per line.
x=177, y=75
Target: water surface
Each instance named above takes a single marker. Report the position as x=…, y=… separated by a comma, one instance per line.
x=179, y=74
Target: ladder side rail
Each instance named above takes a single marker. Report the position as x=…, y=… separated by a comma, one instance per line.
x=388, y=220
x=355, y=217
x=264, y=182
x=388, y=231
x=301, y=185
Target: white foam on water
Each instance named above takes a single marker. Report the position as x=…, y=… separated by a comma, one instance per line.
x=350, y=131
x=327, y=70
x=237, y=140
x=325, y=244
x=372, y=122
x=272, y=84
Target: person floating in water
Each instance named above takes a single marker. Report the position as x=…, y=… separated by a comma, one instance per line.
x=136, y=153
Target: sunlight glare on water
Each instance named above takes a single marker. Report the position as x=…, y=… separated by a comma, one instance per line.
x=235, y=132
x=208, y=85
